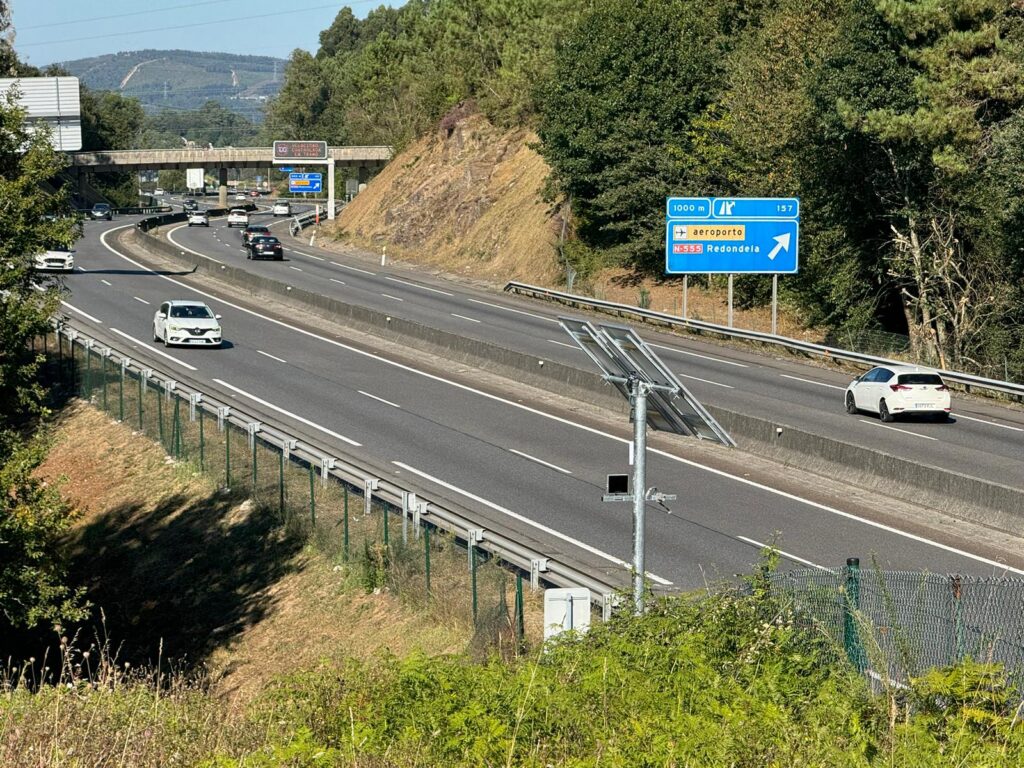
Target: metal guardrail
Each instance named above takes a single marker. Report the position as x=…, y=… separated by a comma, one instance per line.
x=966, y=380
x=303, y=220
x=356, y=472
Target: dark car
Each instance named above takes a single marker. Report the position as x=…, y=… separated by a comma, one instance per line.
x=265, y=248
x=254, y=230
x=190, y=205
x=102, y=211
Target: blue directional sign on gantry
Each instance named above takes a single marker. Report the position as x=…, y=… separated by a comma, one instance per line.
x=731, y=235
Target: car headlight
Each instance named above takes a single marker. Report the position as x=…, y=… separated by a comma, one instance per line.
x=173, y=328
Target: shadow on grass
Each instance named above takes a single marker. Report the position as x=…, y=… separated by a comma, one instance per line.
x=189, y=573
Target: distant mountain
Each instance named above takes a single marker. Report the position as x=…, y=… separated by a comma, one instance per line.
x=164, y=80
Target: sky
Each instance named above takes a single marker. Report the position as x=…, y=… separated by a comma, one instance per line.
x=52, y=31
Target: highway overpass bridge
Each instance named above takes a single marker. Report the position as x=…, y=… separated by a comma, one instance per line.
x=220, y=158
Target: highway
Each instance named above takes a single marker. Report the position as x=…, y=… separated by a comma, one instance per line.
x=541, y=468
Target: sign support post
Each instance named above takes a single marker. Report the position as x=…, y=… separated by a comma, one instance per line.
x=330, y=189
x=730, y=299
x=686, y=285
x=775, y=304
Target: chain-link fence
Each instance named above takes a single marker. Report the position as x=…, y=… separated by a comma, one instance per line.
x=897, y=624
x=383, y=546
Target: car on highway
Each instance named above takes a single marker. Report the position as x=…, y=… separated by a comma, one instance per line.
x=282, y=208
x=102, y=211
x=238, y=217
x=158, y=192
x=897, y=390
x=254, y=230
x=186, y=322
x=57, y=259
x=198, y=218
x=265, y=247
x=190, y=205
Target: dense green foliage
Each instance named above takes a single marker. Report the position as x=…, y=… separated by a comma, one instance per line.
x=32, y=516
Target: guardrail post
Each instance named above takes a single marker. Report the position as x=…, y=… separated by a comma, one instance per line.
x=418, y=511
x=851, y=603
x=194, y=399
x=326, y=465
x=370, y=484
x=607, y=606
x=537, y=567
x=408, y=504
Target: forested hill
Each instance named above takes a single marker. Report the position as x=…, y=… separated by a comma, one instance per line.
x=899, y=125
x=163, y=80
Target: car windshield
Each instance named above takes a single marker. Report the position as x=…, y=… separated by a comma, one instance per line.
x=931, y=379
x=191, y=310
x=101, y=207
x=258, y=228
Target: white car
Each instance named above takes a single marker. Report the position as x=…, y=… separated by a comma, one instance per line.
x=188, y=322
x=158, y=192
x=238, y=217
x=198, y=219
x=282, y=208
x=241, y=196
x=55, y=260
x=894, y=390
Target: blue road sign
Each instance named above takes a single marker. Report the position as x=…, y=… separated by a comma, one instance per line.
x=731, y=235
x=730, y=246
x=285, y=169
x=305, y=182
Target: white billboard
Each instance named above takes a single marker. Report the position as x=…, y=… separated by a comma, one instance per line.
x=51, y=100
x=194, y=178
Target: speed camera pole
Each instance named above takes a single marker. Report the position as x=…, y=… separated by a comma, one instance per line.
x=638, y=392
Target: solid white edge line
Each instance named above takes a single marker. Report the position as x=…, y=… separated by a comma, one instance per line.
x=540, y=461
x=379, y=399
x=170, y=237
x=354, y=269
x=279, y=409
x=706, y=381
x=517, y=311
x=896, y=429
x=559, y=419
x=141, y=300
x=563, y=344
x=105, y=282
x=523, y=519
x=272, y=357
x=389, y=296
x=417, y=285
x=160, y=352
x=463, y=317
x=787, y=555
x=811, y=381
x=694, y=354
x=86, y=315
x=990, y=423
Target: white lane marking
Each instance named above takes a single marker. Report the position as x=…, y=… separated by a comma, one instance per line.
x=381, y=399
x=142, y=300
x=86, y=315
x=694, y=354
x=295, y=416
x=990, y=423
x=787, y=555
x=463, y=317
x=389, y=296
x=540, y=461
x=526, y=520
x=170, y=237
x=897, y=429
x=272, y=357
x=558, y=419
x=295, y=268
x=339, y=282
x=417, y=285
x=706, y=381
x=517, y=311
x=563, y=344
x=105, y=282
x=811, y=381
x=154, y=350
x=354, y=269
x=307, y=255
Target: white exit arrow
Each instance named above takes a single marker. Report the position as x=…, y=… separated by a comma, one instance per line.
x=781, y=243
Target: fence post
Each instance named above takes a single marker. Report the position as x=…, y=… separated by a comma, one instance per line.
x=227, y=454
x=956, y=587
x=520, y=619
x=88, y=369
x=176, y=429
x=104, y=354
x=312, y=495
x=426, y=550
x=202, y=443
x=60, y=354
x=345, y=519
x=160, y=420
x=142, y=383
x=280, y=483
x=472, y=570
x=120, y=391
x=851, y=638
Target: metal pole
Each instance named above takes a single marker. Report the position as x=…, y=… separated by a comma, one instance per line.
x=686, y=290
x=104, y=358
x=384, y=511
x=254, y=447
x=120, y=395
x=426, y=550
x=160, y=419
x=730, y=300
x=346, y=522
x=520, y=619
x=472, y=561
x=639, y=489
x=280, y=483
x=775, y=304
x=227, y=454
x=176, y=429
x=312, y=496
x=851, y=639
x=202, y=443
x=142, y=394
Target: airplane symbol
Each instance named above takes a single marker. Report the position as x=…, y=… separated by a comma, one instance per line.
x=726, y=208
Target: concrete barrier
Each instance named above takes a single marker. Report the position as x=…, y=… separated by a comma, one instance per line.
x=970, y=498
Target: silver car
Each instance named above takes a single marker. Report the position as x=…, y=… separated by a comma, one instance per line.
x=186, y=322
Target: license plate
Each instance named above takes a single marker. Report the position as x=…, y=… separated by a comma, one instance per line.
x=923, y=405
